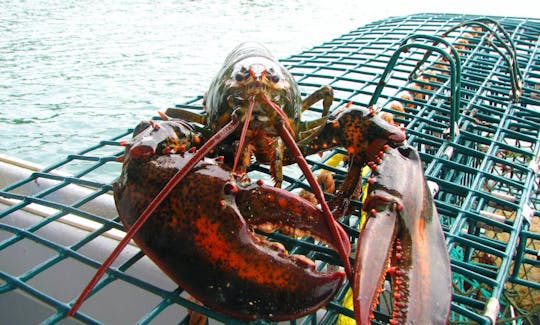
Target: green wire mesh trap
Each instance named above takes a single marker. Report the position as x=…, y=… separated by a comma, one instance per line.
x=471, y=98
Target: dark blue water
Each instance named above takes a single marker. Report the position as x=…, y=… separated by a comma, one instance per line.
x=75, y=72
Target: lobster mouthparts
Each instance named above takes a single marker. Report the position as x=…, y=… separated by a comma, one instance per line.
x=202, y=237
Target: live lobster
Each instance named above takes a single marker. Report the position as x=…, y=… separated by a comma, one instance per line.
x=188, y=203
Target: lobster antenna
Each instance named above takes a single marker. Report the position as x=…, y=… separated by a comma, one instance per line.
x=243, y=135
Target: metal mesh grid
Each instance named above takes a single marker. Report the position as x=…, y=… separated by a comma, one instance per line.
x=486, y=169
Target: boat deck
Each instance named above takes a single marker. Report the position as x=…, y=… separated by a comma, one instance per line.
x=472, y=109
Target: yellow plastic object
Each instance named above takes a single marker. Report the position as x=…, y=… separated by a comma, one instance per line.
x=334, y=160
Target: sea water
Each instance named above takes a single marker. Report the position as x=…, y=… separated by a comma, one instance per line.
x=76, y=72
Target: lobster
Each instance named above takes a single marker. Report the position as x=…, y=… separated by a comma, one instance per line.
x=188, y=203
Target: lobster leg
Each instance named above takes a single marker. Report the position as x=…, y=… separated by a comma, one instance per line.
x=403, y=237
x=326, y=93
x=184, y=114
x=312, y=128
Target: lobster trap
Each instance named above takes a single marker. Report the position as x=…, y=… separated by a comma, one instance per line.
x=467, y=90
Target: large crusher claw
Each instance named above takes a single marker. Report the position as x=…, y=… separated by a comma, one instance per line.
x=202, y=235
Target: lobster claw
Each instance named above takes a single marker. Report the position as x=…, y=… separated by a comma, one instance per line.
x=402, y=236
x=201, y=234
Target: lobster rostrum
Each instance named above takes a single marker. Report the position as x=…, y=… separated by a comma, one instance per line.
x=185, y=197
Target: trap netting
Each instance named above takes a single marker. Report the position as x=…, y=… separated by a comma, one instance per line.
x=467, y=90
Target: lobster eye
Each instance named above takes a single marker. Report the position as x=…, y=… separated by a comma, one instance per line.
x=273, y=76
x=242, y=74
x=239, y=77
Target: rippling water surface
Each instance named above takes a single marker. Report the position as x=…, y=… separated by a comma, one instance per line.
x=76, y=72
